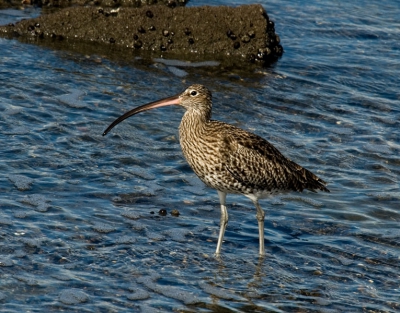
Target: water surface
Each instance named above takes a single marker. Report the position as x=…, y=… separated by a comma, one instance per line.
x=79, y=224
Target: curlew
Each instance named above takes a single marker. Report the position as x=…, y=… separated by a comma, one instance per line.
x=230, y=159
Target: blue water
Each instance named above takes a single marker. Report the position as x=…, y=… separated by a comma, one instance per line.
x=79, y=224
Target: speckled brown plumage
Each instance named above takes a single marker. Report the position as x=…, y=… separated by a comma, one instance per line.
x=230, y=159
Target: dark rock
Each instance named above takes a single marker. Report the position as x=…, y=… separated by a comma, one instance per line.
x=137, y=44
x=52, y=4
x=175, y=212
x=245, y=39
x=149, y=14
x=202, y=30
x=251, y=34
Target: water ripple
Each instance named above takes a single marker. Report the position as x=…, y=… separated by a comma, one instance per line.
x=81, y=211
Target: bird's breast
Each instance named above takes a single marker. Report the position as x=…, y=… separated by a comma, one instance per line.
x=201, y=152
x=202, y=146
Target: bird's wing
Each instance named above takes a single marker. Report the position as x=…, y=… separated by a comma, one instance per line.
x=256, y=163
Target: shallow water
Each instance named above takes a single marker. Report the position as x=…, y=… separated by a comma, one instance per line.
x=79, y=224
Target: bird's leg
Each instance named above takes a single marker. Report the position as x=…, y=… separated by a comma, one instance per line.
x=224, y=220
x=260, y=218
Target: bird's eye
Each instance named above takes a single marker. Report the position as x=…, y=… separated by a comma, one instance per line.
x=193, y=93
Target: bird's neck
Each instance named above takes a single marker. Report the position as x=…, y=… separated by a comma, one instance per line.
x=193, y=123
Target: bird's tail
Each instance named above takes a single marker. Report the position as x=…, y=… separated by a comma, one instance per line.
x=313, y=182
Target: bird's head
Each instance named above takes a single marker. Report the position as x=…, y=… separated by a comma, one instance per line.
x=196, y=98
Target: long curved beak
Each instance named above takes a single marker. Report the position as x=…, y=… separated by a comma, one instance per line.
x=152, y=105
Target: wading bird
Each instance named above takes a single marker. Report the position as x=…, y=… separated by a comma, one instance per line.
x=230, y=159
